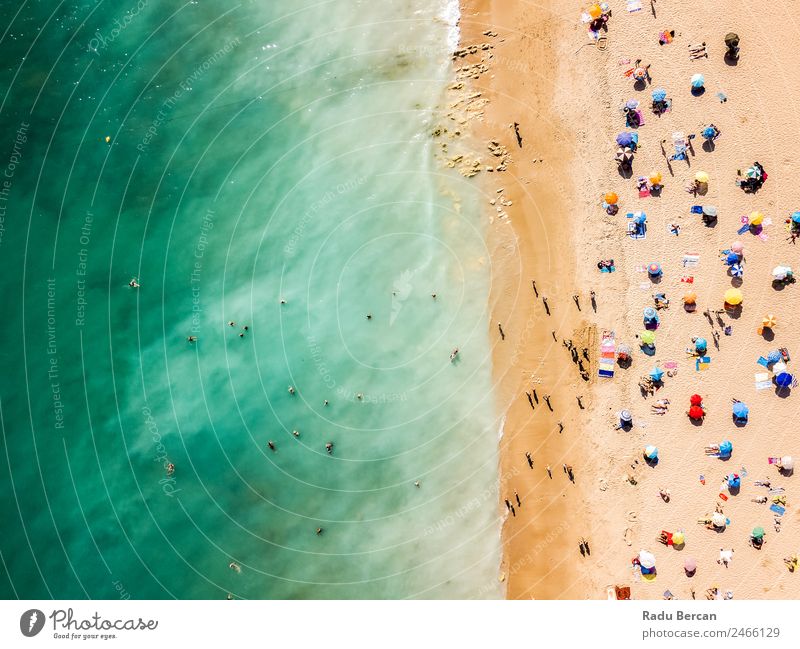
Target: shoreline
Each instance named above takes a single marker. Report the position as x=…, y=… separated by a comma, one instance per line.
x=528, y=241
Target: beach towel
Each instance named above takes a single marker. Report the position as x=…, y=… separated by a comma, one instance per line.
x=780, y=511
x=691, y=260
x=608, y=356
x=763, y=361
x=633, y=5
x=637, y=230
x=762, y=381
x=702, y=363
x=687, y=279
x=743, y=229
x=608, y=269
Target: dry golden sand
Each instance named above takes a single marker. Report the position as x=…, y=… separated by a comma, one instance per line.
x=567, y=101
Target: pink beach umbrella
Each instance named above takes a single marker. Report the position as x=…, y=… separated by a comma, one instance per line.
x=690, y=565
x=737, y=247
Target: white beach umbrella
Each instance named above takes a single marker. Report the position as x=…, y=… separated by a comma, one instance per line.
x=646, y=559
x=787, y=462
x=780, y=272
x=718, y=520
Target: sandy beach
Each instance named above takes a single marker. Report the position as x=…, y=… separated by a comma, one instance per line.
x=566, y=94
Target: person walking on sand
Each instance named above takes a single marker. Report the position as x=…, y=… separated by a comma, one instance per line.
x=529, y=458
x=549, y=472
x=535, y=290
x=577, y=299
x=546, y=398
x=516, y=132
x=516, y=496
x=508, y=504
x=546, y=305
x=560, y=427
x=535, y=396
x=513, y=511
x=530, y=400
x=502, y=334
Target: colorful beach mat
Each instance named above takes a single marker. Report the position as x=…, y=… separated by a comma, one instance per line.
x=608, y=355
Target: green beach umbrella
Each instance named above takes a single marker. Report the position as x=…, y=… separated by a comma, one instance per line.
x=647, y=337
x=758, y=533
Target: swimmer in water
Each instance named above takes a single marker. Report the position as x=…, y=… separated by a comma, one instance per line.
x=235, y=566
x=170, y=468
x=231, y=323
x=291, y=390
x=296, y=433
x=191, y=339
x=271, y=445
x=133, y=283
x=453, y=354
x=329, y=448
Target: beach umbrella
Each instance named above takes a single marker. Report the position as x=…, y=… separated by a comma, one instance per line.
x=774, y=356
x=624, y=139
x=690, y=298
x=626, y=416
x=796, y=217
x=595, y=11
x=737, y=270
x=651, y=452
x=657, y=374
x=756, y=218
x=701, y=344
x=655, y=179
x=611, y=198
x=718, y=520
x=784, y=380
x=659, y=94
x=623, y=350
x=646, y=559
x=709, y=210
x=647, y=337
x=752, y=172
x=604, y=7
x=654, y=269
x=758, y=533
x=695, y=400
x=734, y=481
x=731, y=39
x=639, y=217
x=632, y=104
x=733, y=296
x=737, y=247
x=731, y=258
x=701, y=177
x=779, y=272
x=740, y=410
x=787, y=462
x=696, y=413
x=678, y=538
x=650, y=313
x=769, y=321
x=698, y=81
x=708, y=133
x=689, y=565
x=640, y=74
x=779, y=367
x=725, y=448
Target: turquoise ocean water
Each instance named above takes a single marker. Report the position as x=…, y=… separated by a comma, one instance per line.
x=267, y=163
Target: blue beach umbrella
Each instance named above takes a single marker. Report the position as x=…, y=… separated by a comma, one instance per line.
x=740, y=410
x=725, y=449
x=650, y=313
x=698, y=81
x=734, y=481
x=651, y=452
x=624, y=139
x=708, y=133
x=737, y=270
x=774, y=356
x=701, y=344
x=640, y=218
x=659, y=94
x=654, y=269
x=657, y=374
x=784, y=380
x=796, y=217
x=732, y=258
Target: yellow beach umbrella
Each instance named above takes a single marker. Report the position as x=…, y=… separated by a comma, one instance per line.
x=769, y=321
x=733, y=296
x=756, y=218
x=678, y=538
x=690, y=298
x=655, y=178
x=647, y=337
x=701, y=177
x=595, y=11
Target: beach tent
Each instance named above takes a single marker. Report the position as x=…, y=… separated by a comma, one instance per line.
x=725, y=449
x=733, y=296
x=696, y=413
x=740, y=410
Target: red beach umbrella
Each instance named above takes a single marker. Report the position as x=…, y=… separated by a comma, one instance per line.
x=696, y=400
x=696, y=412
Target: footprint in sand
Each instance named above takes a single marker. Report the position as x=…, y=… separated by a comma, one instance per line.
x=628, y=534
